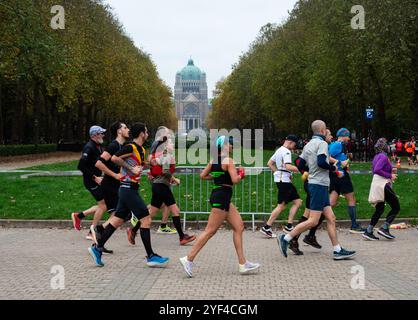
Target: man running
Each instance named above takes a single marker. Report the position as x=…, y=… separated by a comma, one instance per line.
x=92, y=178
x=281, y=165
x=110, y=184
x=131, y=159
x=343, y=185
x=316, y=156
x=162, y=162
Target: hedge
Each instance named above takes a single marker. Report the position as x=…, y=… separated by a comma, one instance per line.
x=18, y=150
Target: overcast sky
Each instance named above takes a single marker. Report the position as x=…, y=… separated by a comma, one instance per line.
x=214, y=32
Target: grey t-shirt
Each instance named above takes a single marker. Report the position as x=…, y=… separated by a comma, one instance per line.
x=310, y=153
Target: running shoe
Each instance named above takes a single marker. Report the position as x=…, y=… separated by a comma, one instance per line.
x=187, y=266
x=96, y=255
x=248, y=267
x=311, y=241
x=343, y=254
x=186, y=239
x=288, y=228
x=76, y=221
x=95, y=233
x=134, y=220
x=156, y=261
x=294, y=246
x=283, y=245
x=358, y=229
x=370, y=236
x=267, y=232
x=166, y=230
x=106, y=251
x=131, y=236
x=385, y=233
x=89, y=236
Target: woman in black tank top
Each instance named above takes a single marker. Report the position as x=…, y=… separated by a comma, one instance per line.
x=224, y=175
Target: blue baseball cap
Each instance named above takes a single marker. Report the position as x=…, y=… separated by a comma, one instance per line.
x=96, y=130
x=343, y=132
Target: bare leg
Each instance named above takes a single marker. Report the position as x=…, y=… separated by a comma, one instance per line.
x=101, y=209
x=216, y=218
x=292, y=212
x=276, y=212
x=333, y=198
x=234, y=219
x=332, y=231
x=311, y=222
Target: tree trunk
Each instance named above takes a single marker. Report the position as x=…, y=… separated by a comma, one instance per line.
x=1, y=118
x=36, y=111
x=381, y=112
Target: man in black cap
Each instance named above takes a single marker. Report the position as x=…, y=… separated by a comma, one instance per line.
x=281, y=165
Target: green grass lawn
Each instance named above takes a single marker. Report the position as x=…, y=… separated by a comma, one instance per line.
x=57, y=197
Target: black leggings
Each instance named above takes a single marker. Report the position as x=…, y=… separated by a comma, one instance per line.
x=392, y=200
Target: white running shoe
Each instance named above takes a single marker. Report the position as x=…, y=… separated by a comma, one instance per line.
x=187, y=266
x=248, y=267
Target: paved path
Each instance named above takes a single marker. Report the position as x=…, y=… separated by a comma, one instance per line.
x=19, y=162
x=27, y=256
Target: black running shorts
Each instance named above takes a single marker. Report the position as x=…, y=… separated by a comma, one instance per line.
x=162, y=194
x=287, y=192
x=220, y=198
x=341, y=185
x=130, y=201
x=95, y=190
x=111, y=195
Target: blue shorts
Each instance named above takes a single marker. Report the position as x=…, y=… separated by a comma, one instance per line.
x=319, y=197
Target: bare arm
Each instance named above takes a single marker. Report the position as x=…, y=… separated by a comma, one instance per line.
x=121, y=163
x=205, y=174
x=291, y=167
x=272, y=165
x=233, y=172
x=101, y=166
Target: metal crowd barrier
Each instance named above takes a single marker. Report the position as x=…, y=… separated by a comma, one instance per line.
x=256, y=195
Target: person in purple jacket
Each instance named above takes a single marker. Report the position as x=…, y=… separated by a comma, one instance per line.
x=383, y=168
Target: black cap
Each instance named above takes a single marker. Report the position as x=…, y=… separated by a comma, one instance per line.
x=292, y=137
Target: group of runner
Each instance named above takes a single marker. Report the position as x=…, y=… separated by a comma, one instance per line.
x=325, y=171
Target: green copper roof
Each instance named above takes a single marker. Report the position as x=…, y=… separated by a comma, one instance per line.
x=190, y=72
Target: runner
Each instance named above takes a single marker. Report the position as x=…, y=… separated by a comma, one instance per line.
x=381, y=191
x=410, y=149
x=131, y=159
x=92, y=178
x=316, y=157
x=343, y=185
x=281, y=165
x=224, y=174
x=110, y=184
x=310, y=238
x=162, y=162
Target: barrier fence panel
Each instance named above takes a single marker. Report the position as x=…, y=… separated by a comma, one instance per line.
x=252, y=197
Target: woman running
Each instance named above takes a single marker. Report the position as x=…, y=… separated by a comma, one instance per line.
x=224, y=175
x=381, y=191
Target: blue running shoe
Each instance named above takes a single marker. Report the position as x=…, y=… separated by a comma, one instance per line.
x=283, y=245
x=344, y=254
x=156, y=261
x=96, y=255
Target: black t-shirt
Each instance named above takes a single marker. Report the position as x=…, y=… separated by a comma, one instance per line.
x=87, y=164
x=112, y=148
